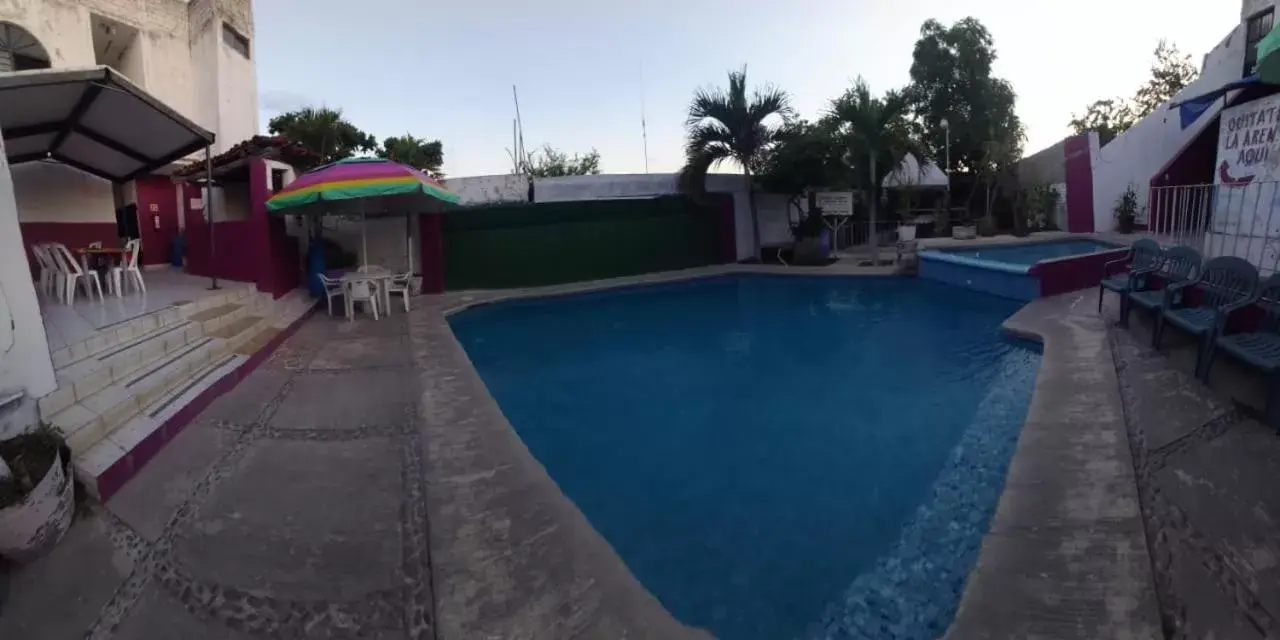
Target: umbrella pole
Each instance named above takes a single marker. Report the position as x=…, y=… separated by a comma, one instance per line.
x=408, y=242
x=364, y=241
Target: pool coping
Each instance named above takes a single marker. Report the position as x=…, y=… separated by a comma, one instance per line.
x=1065, y=556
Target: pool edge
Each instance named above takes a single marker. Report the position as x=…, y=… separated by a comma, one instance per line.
x=1065, y=555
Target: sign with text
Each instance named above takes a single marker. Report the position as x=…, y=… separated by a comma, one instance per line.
x=1243, y=221
x=1248, y=149
x=835, y=203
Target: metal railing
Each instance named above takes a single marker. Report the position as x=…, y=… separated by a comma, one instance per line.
x=1220, y=220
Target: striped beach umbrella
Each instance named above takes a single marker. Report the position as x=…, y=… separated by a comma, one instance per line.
x=349, y=181
x=364, y=187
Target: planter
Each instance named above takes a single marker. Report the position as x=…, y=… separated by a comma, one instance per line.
x=808, y=251
x=907, y=232
x=34, y=526
x=1125, y=224
x=964, y=232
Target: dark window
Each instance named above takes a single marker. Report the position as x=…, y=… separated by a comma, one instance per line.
x=233, y=39
x=1255, y=30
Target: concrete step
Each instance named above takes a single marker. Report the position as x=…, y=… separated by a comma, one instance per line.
x=79, y=380
x=112, y=336
x=90, y=420
x=105, y=466
x=165, y=396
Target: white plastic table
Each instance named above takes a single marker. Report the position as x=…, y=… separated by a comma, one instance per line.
x=373, y=274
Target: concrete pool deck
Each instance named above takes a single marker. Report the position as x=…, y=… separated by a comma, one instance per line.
x=289, y=509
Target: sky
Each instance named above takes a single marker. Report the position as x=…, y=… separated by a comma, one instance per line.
x=587, y=70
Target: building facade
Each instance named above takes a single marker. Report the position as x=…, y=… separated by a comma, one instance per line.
x=1174, y=145
x=194, y=56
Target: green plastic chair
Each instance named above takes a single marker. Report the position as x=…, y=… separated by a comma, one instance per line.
x=1180, y=264
x=1226, y=284
x=1260, y=348
x=1144, y=257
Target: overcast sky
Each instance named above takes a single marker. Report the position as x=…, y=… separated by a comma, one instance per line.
x=445, y=70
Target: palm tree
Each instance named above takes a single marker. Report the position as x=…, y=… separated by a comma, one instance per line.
x=415, y=152
x=730, y=125
x=880, y=132
x=322, y=131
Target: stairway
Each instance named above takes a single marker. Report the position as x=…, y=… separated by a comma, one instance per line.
x=119, y=390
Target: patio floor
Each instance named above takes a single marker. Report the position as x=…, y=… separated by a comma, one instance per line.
x=65, y=325
x=291, y=507
x=297, y=506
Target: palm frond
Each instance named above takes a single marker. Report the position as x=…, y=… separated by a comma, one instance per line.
x=707, y=136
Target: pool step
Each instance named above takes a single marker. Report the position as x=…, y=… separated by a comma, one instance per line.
x=170, y=393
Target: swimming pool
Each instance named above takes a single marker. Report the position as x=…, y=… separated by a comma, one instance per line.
x=772, y=456
x=1029, y=254
x=1023, y=271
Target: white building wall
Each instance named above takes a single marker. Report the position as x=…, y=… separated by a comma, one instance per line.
x=490, y=189
x=1137, y=155
x=24, y=348
x=52, y=192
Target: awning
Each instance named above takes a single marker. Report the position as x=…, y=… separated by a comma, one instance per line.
x=1191, y=109
x=94, y=120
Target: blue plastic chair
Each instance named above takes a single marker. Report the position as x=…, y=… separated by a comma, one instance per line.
x=1226, y=284
x=1180, y=264
x=1144, y=257
x=1259, y=349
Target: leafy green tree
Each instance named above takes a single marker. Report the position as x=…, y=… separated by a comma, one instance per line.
x=730, y=124
x=806, y=156
x=1171, y=71
x=414, y=152
x=548, y=162
x=1109, y=118
x=877, y=132
x=323, y=132
x=951, y=80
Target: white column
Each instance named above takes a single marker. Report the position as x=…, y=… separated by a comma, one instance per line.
x=24, y=350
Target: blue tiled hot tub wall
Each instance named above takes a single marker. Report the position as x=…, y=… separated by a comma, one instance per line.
x=1008, y=283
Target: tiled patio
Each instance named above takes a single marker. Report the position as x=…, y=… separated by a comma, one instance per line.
x=66, y=325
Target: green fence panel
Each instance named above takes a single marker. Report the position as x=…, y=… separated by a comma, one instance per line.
x=551, y=243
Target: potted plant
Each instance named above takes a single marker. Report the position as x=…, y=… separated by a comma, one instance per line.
x=986, y=227
x=1127, y=210
x=808, y=247
x=36, y=493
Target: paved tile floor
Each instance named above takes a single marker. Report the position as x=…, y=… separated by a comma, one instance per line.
x=68, y=324
x=291, y=508
x=1207, y=473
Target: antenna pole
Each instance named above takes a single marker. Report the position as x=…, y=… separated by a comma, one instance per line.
x=519, y=128
x=644, y=131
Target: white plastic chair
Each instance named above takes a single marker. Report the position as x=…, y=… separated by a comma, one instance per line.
x=73, y=274
x=333, y=289
x=399, y=285
x=128, y=272
x=364, y=292
x=48, y=268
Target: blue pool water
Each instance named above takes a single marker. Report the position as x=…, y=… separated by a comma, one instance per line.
x=774, y=457
x=1029, y=254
